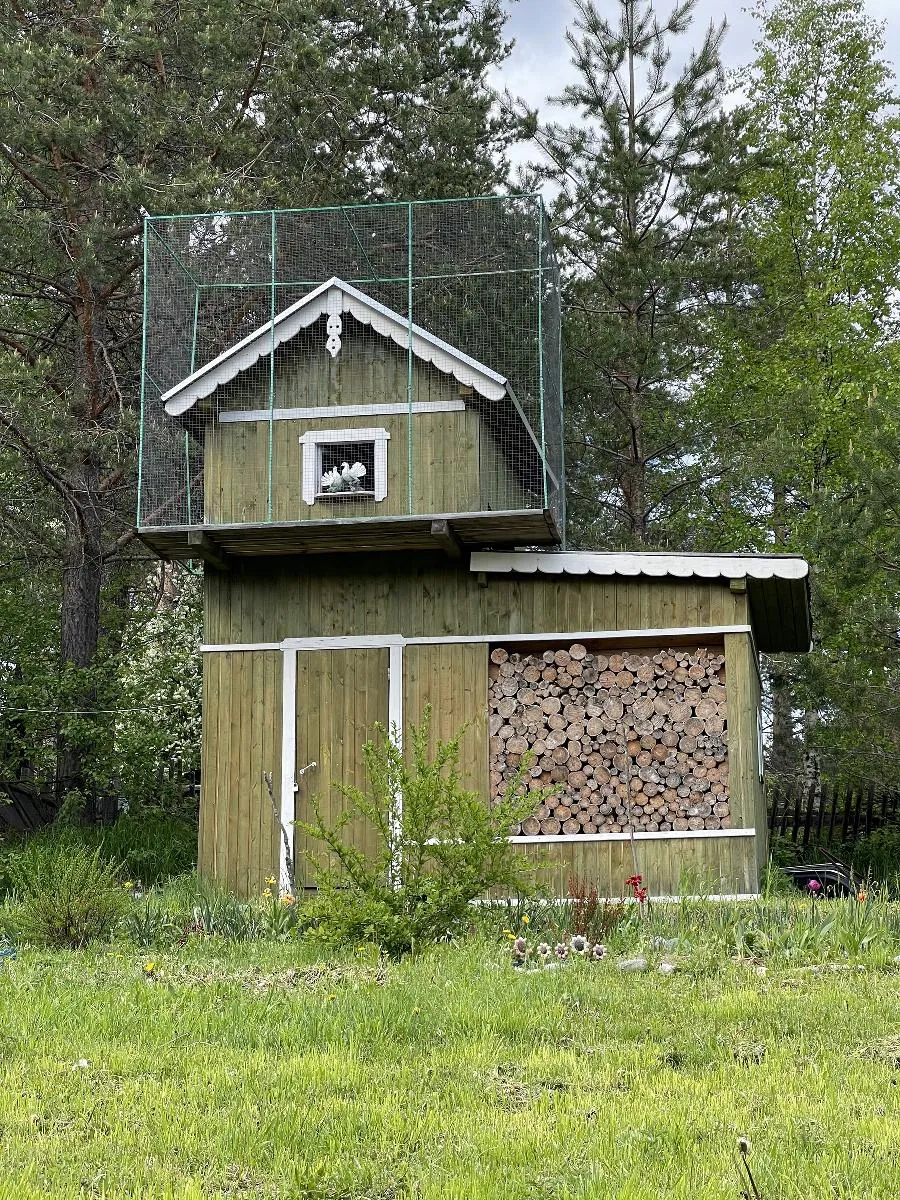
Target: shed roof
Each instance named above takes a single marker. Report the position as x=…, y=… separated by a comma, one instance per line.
x=777, y=584
x=333, y=298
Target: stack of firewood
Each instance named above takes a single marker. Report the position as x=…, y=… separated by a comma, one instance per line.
x=629, y=739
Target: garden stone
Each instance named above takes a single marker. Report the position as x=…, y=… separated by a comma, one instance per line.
x=665, y=968
x=632, y=964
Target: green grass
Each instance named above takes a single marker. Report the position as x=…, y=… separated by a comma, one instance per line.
x=258, y=1069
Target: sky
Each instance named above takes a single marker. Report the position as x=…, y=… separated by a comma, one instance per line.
x=539, y=63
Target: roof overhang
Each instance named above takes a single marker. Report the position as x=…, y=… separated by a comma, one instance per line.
x=334, y=298
x=777, y=584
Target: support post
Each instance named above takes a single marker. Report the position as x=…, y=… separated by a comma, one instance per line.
x=288, y=758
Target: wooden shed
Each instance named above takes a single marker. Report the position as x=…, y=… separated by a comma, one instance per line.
x=359, y=489
x=303, y=656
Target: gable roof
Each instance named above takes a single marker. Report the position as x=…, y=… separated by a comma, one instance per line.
x=777, y=584
x=333, y=298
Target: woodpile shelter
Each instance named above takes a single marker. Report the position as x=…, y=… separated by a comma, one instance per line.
x=352, y=417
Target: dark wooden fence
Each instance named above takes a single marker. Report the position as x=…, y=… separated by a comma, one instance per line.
x=831, y=814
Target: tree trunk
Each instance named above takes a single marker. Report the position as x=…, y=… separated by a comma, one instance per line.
x=80, y=635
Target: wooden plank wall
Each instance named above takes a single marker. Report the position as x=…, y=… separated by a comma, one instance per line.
x=450, y=455
x=391, y=594
x=238, y=838
x=340, y=696
x=690, y=866
x=347, y=690
x=747, y=795
x=454, y=680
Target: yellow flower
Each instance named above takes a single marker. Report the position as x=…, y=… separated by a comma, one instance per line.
x=416, y=1010
x=271, y=880
x=287, y=899
x=525, y=919
x=267, y=893
x=128, y=885
x=149, y=968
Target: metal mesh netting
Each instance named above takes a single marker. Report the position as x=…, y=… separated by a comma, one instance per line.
x=425, y=381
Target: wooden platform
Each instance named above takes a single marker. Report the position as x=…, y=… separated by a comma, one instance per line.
x=453, y=533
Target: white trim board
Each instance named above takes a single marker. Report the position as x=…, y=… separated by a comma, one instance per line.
x=542, y=839
x=332, y=412
x=591, y=635
x=362, y=642
x=288, y=763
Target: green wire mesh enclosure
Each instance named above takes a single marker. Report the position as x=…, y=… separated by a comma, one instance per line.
x=349, y=363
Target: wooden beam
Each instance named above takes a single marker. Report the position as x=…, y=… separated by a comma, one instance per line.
x=446, y=538
x=205, y=548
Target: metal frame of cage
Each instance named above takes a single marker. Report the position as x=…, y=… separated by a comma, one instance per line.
x=478, y=274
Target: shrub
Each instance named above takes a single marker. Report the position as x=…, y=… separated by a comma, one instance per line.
x=439, y=847
x=151, y=845
x=68, y=894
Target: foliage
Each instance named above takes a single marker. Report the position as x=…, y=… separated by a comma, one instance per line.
x=150, y=845
x=805, y=358
x=68, y=894
x=874, y=857
x=108, y=111
x=642, y=219
x=437, y=847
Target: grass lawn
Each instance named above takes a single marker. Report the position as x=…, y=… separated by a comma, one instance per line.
x=263, y=1070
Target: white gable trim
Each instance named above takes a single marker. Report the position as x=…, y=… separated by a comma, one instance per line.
x=333, y=298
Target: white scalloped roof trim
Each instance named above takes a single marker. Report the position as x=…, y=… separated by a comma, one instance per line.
x=333, y=298
x=682, y=566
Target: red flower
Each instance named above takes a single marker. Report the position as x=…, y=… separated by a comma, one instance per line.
x=640, y=894
x=634, y=881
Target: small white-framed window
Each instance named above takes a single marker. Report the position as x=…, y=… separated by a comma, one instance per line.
x=358, y=456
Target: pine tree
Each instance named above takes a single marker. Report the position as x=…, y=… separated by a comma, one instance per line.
x=642, y=218
x=110, y=108
x=806, y=359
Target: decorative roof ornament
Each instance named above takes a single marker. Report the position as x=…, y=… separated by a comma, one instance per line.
x=333, y=299
x=334, y=327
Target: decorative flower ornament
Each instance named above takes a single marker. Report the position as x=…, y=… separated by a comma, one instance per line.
x=544, y=951
x=520, y=947
x=561, y=950
x=579, y=945
x=599, y=952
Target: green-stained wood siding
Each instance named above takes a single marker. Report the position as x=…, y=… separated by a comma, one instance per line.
x=743, y=737
x=238, y=838
x=457, y=466
x=453, y=679
x=341, y=694
x=381, y=594
x=720, y=866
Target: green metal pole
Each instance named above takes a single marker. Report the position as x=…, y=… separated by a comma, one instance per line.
x=271, y=370
x=409, y=357
x=187, y=448
x=140, y=487
x=540, y=340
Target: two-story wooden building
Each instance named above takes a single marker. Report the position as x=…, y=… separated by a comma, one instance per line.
x=378, y=507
